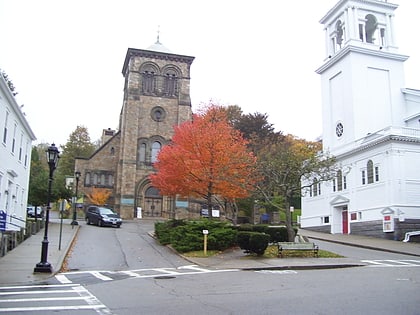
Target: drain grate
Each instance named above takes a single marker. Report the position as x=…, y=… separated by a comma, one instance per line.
x=164, y=277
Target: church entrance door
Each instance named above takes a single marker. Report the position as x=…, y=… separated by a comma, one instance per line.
x=152, y=203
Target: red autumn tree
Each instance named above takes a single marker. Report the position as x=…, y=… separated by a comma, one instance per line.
x=206, y=158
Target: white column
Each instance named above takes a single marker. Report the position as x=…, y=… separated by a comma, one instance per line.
x=391, y=36
x=327, y=43
x=348, y=26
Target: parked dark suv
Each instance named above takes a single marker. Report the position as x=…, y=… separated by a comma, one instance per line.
x=102, y=216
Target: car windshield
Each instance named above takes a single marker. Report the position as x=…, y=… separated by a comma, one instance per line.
x=105, y=211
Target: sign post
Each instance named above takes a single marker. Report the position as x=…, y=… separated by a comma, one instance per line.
x=205, y=232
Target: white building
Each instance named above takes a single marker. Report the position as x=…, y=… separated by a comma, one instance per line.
x=15, y=156
x=371, y=124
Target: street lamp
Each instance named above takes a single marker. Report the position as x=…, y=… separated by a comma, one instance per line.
x=77, y=176
x=52, y=159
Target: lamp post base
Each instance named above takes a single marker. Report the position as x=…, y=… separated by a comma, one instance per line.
x=43, y=267
x=74, y=223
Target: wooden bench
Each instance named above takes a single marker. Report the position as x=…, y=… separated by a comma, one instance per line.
x=306, y=246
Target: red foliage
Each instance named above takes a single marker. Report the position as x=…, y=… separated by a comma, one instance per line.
x=206, y=157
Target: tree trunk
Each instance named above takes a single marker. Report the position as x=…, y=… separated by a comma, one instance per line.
x=290, y=232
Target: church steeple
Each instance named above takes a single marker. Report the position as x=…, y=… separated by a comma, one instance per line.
x=362, y=73
x=361, y=23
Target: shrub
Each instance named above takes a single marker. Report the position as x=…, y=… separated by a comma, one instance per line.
x=246, y=227
x=163, y=230
x=187, y=236
x=242, y=240
x=221, y=238
x=261, y=228
x=258, y=242
x=277, y=234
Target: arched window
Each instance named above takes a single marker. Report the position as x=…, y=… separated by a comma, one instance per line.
x=315, y=187
x=152, y=192
x=142, y=152
x=87, y=179
x=110, y=180
x=370, y=28
x=170, y=84
x=339, y=180
x=370, y=172
x=148, y=82
x=156, y=146
x=339, y=34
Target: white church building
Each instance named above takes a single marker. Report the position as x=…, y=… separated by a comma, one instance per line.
x=371, y=124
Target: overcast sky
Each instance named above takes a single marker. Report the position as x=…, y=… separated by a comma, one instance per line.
x=65, y=57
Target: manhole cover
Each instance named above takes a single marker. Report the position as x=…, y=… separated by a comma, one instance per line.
x=164, y=277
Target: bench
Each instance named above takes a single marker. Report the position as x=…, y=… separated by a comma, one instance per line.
x=306, y=246
x=408, y=234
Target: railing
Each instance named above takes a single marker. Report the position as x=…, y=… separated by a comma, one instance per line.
x=9, y=239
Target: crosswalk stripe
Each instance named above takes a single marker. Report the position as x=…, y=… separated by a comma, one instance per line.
x=98, y=275
x=62, y=279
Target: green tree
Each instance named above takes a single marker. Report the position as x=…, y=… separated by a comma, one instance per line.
x=284, y=164
x=207, y=158
x=78, y=145
x=39, y=177
x=38, y=180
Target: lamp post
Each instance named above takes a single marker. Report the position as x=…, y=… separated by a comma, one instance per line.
x=52, y=159
x=77, y=176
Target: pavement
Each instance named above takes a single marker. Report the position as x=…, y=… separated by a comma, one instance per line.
x=17, y=266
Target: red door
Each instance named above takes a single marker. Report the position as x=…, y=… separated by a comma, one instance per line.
x=345, y=222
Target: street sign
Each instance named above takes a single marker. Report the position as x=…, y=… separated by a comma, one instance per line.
x=3, y=216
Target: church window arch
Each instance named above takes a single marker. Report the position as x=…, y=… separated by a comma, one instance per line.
x=339, y=180
x=149, y=73
x=339, y=35
x=87, y=179
x=156, y=146
x=316, y=189
x=370, y=28
x=171, y=75
x=142, y=152
x=152, y=192
x=370, y=172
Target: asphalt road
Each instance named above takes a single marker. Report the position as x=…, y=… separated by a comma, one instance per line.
x=125, y=271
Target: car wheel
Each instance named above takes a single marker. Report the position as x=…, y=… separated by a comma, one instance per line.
x=87, y=221
x=100, y=223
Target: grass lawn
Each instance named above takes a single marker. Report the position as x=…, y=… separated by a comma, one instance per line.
x=270, y=252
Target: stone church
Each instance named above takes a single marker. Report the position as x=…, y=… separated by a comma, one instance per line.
x=371, y=124
x=156, y=98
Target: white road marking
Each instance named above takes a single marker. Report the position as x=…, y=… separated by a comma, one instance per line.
x=62, y=279
x=392, y=263
x=142, y=273
x=284, y=272
x=54, y=294
x=98, y=275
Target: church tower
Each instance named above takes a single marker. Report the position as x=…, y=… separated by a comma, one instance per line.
x=156, y=98
x=371, y=125
x=362, y=73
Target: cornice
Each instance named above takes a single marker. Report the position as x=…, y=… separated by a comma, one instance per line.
x=360, y=50
x=382, y=140
x=133, y=52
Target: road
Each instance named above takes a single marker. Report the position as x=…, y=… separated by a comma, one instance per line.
x=125, y=271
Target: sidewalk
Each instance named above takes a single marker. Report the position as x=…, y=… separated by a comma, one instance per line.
x=238, y=260
x=16, y=268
